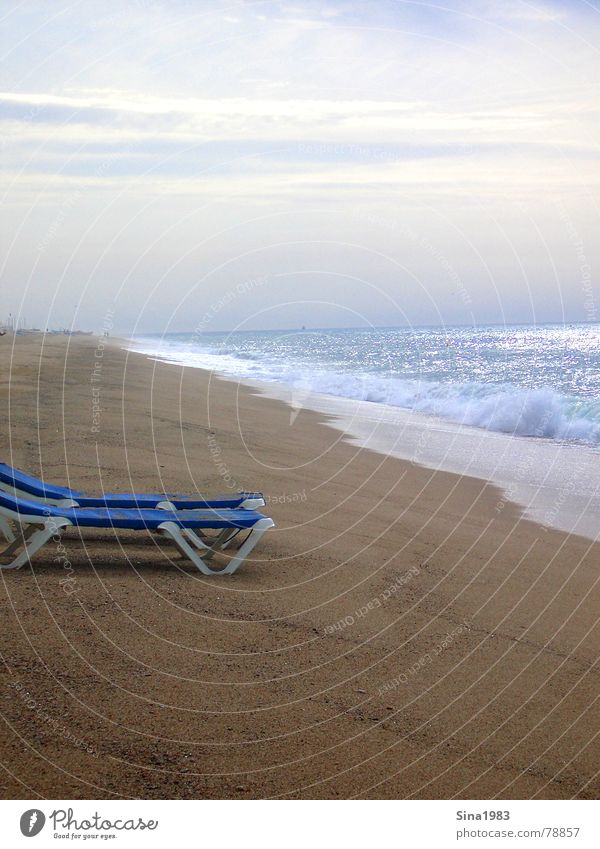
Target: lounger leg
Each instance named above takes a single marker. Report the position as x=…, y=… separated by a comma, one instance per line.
x=6, y=530
x=221, y=542
x=195, y=539
x=260, y=528
x=32, y=540
x=177, y=535
x=229, y=539
x=208, y=547
x=25, y=533
x=211, y=547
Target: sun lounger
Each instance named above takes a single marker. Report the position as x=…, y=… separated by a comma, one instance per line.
x=25, y=486
x=38, y=523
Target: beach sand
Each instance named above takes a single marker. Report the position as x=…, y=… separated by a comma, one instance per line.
x=401, y=633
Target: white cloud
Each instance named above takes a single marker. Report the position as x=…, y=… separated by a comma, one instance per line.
x=389, y=106
x=349, y=121
x=521, y=10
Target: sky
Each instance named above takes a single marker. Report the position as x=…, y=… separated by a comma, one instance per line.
x=198, y=166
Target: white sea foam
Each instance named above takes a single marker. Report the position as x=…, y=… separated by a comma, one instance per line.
x=468, y=403
x=505, y=408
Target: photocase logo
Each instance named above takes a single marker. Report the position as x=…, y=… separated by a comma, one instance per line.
x=32, y=822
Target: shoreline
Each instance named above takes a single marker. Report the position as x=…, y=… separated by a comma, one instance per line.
x=537, y=475
x=554, y=483
x=395, y=636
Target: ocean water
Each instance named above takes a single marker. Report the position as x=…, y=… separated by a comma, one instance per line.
x=516, y=406
x=529, y=381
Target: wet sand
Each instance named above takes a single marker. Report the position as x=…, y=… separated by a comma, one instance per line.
x=397, y=635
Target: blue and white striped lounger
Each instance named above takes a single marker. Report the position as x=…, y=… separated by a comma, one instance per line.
x=33, y=489
x=37, y=523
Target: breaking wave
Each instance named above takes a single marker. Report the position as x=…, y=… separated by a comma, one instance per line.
x=504, y=407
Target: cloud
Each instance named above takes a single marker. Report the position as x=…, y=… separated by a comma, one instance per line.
x=350, y=121
x=272, y=109
x=521, y=10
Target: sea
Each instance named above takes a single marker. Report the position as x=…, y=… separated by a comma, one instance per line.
x=516, y=405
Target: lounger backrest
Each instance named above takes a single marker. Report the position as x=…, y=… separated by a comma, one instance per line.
x=34, y=486
x=21, y=505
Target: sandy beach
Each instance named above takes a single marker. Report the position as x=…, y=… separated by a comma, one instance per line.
x=396, y=635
